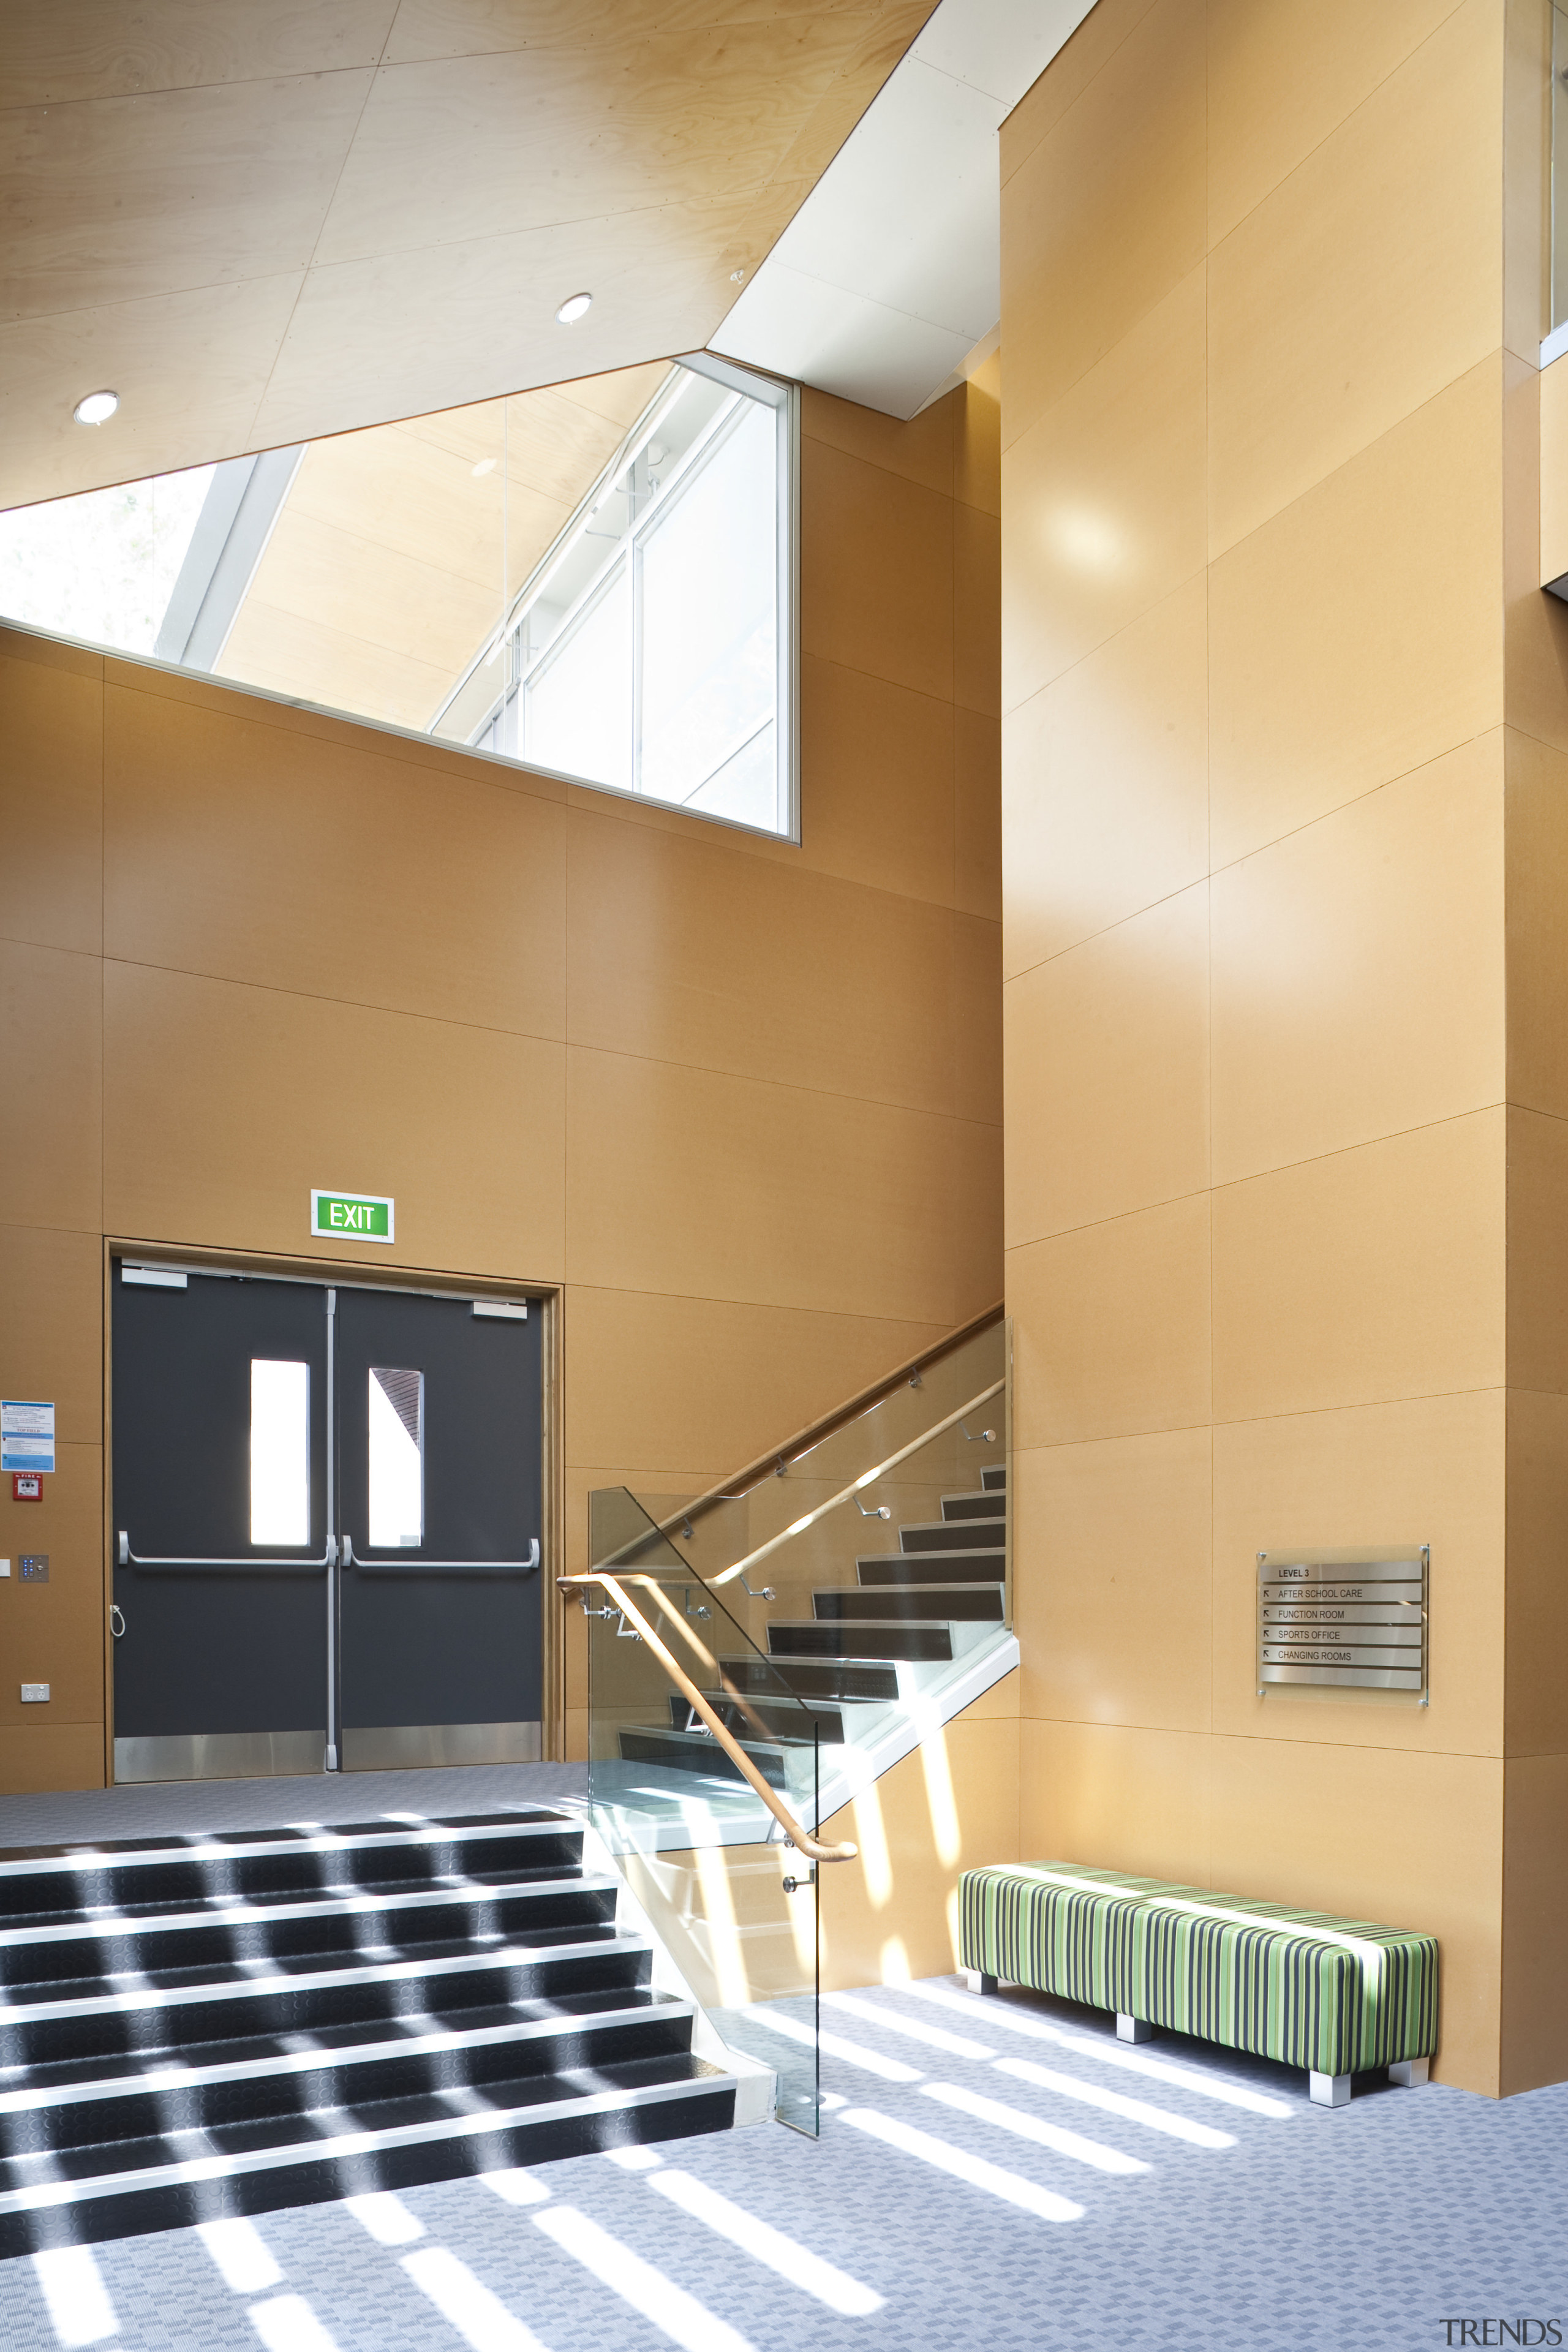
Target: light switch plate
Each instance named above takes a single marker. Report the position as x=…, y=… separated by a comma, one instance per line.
x=34, y=1691
x=5, y=1568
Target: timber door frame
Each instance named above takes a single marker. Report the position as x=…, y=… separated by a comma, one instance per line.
x=355, y=1274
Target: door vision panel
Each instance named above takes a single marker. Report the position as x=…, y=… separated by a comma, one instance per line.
x=327, y=1505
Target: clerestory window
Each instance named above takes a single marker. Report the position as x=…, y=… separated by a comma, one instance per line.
x=651, y=650
x=597, y=579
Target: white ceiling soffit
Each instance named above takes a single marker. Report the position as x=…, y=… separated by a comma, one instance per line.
x=890, y=274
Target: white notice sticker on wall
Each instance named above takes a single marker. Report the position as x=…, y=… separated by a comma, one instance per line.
x=26, y=1434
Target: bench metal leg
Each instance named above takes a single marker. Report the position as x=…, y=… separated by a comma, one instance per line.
x=1132, y=2029
x=977, y=1982
x=1328, y=2090
x=1408, y=2072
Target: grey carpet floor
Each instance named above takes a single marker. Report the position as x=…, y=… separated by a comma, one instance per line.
x=1271, y=2226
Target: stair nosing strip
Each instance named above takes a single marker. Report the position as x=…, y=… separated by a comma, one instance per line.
x=89, y=1857
x=237, y=1912
x=306, y=2061
x=191, y=2169
x=373, y=1972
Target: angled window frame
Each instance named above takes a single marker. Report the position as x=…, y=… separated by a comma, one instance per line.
x=501, y=718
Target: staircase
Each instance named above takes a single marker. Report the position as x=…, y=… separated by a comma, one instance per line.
x=861, y=1651
x=200, y=2027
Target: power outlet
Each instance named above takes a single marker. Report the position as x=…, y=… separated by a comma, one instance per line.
x=34, y=1693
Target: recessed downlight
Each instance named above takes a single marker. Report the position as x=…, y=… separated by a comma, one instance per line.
x=96, y=407
x=575, y=307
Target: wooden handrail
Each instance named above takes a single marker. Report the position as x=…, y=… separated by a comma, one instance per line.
x=801, y=1838
x=766, y=1465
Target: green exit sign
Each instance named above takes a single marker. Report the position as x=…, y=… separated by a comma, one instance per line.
x=352, y=1216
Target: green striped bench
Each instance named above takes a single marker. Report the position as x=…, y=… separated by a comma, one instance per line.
x=1335, y=1996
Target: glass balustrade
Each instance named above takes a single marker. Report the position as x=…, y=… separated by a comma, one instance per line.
x=831, y=1610
x=735, y=1901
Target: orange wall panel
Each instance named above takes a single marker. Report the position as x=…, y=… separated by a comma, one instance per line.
x=1284, y=1008
x=738, y=1099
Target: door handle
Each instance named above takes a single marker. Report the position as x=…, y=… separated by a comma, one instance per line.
x=126, y=1558
x=521, y=1567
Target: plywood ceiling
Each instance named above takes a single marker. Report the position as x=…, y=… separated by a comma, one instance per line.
x=266, y=221
x=385, y=572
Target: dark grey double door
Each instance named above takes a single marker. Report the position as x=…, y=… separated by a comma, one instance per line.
x=327, y=1514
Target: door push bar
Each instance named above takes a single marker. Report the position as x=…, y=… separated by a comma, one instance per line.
x=129, y=1558
x=521, y=1567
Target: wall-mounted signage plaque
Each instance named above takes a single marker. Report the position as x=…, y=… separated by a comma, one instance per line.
x=1353, y=1618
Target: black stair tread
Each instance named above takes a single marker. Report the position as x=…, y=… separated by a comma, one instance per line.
x=747, y=1741
x=88, y=1918
x=295, y=1839
x=851, y=1682
x=966, y=1604
x=979, y=1504
x=340, y=1902
x=135, y=2070
x=993, y=1478
x=953, y=1535
x=692, y=1751
x=238, y=1977
x=310, y=2138
x=861, y=1641
x=917, y=1568
x=792, y=1724
x=228, y=2023
x=462, y=2077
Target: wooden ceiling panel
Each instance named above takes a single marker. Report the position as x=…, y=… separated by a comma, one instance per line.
x=552, y=134
x=102, y=48
x=225, y=339
x=431, y=176
x=209, y=186
x=399, y=329
x=428, y=30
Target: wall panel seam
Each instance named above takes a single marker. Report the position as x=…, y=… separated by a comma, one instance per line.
x=1364, y=99
x=1367, y=1143
x=782, y=1085
x=1312, y=489
x=1265, y=1738
x=1010, y=170
x=1296, y=1412
x=322, y=996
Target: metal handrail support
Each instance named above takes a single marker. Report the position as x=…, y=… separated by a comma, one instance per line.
x=801, y=1838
